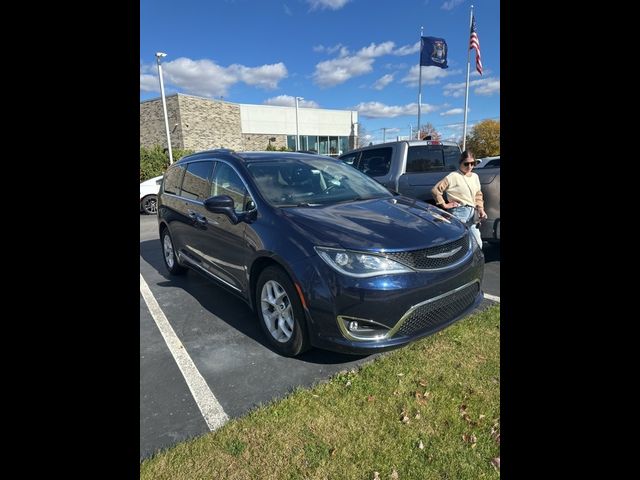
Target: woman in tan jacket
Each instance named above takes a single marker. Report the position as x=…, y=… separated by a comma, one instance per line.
x=462, y=188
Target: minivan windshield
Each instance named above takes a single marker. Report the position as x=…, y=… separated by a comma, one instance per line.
x=312, y=182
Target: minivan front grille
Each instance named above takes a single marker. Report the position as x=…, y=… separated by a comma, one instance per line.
x=433, y=314
x=423, y=259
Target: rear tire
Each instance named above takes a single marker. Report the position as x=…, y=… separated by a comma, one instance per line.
x=169, y=254
x=280, y=312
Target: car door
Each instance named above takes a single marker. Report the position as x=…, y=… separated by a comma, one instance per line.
x=226, y=248
x=196, y=187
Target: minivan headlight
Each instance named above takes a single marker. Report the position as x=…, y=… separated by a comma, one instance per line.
x=358, y=264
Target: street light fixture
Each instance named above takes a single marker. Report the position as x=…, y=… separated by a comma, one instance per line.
x=160, y=55
x=297, y=134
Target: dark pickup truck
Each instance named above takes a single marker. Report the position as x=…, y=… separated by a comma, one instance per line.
x=413, y=167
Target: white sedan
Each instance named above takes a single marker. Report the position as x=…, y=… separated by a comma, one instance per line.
x=149, y=195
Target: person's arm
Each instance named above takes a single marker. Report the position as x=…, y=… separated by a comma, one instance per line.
x=437, y=191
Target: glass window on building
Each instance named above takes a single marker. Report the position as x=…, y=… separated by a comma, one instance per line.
x=323, y=145
x=291, y=142
x=344, y=145
x=333, y=146
x=313, y=142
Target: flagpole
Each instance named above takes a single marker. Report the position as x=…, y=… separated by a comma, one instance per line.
x=420, y=81
x=466, y=92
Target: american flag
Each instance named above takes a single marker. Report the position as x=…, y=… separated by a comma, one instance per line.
x=474, y=44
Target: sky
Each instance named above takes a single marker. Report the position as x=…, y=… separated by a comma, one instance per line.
x=337, y=54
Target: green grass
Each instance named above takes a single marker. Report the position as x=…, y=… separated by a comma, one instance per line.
x=442, y=392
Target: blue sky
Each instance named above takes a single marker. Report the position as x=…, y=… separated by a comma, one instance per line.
x=341, y=54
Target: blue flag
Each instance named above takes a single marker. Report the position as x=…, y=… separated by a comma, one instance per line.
x=433, y=51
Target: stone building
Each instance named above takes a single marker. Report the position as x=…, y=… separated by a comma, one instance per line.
x=198, y=123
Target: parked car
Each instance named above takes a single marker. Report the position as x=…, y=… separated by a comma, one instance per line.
x=413, y=167
x=326, y=256
x=488, y=162
x=149, y=195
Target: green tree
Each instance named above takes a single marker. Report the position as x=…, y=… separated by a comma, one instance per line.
x=484, y=139
x=428, y=129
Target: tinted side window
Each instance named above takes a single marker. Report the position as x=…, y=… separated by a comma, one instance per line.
x=227, y=182
x=173, y=179
x=451, y=158
x=196, y=184
x=375, y=162
x=349, y=158
x=424, y=158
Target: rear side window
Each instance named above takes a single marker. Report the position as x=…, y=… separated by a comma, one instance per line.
x=375, y=162
x=173, y=179
x=425, y=158
x=197, y=181
x=451, y=157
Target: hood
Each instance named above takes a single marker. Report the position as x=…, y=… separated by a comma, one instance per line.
x=397, y=223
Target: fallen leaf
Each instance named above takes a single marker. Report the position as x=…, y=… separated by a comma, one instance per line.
x=421, y=445
x=496, y=463
x=418, y=416
x=481, y=417
x=405, y=419
x=314, y=395
x=371, y=398
x=400, y=374
x=422, y=383
x=394, y=475
x=376, y=476
x=348, y=384
x=395, y=392
x=333, y=452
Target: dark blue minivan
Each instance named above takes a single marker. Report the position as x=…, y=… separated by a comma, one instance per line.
x=326, y=256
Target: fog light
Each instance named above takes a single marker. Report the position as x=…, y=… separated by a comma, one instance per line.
x=353, y=326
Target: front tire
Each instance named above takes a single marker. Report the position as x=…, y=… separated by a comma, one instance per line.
x=280, y=312
x=169, y=254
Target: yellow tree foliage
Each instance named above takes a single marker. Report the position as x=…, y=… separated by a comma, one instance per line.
x=484, y=139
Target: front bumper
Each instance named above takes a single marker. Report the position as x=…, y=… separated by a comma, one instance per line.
x=410, y=306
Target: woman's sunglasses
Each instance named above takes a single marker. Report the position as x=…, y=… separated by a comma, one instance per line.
x=469, y=164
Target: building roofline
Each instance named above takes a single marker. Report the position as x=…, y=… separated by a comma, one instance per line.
x=236, y=103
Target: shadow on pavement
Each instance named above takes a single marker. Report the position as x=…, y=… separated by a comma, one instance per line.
x=227, y=306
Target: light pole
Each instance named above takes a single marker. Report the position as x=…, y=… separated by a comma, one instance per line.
x=160, y=55
x=297, y=134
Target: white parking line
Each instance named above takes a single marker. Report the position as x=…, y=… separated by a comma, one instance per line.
x=492, y=297
x=207, y=403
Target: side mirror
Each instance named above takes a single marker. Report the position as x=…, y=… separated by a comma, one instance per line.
x=222, y=204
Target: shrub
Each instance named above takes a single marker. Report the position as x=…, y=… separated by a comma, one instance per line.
x=155, y=160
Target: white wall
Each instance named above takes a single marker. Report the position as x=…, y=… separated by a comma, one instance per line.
x=270, y=119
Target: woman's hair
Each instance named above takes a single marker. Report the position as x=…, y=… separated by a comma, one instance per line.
x=466, y=154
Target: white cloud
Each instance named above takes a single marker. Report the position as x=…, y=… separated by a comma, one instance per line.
x=451, y=4
x=408, y=49
x=380, y=110
x=289, y=101
x=455, y=111
x=430, y=75
x=149, y=83
x=287, y=10
x=204, y=77
x=334, y=72
x=383, y=81
x=322, y=4
x=483, y=86
x=321, y=48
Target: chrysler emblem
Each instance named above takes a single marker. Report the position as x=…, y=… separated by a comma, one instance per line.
x=445, y=254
